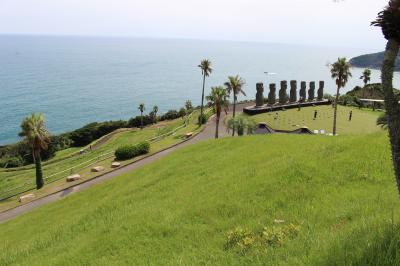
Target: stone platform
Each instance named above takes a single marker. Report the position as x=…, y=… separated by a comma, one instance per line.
x=255, y=110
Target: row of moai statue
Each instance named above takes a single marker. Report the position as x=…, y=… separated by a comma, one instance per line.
x=292, y=97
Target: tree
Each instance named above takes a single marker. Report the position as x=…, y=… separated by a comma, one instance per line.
x=366, y=76
x=389, y=21
x=38, y=138
x=241, y=124
x=340, y=71
x=141, y=109
x=235, y=85
x=218, y=99
x=188, y=106
x=155, y=111
x=206, y=70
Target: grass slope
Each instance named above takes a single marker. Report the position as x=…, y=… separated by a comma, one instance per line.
x=178, y=210
x=363, y=121
x=17, y=178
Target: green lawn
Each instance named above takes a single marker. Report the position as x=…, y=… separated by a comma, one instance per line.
x=363, y=121
x=71, y=158
x=339, y=192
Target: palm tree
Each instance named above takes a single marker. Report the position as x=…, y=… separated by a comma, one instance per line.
x=206, y=70
x=340, y=71
x=218, y=98
x=235, y=85
x=38, y=138
x=141, y=109
x=155, y=111
x=389, y=21
x=366, y=76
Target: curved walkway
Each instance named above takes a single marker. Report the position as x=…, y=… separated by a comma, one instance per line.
x=207, y=133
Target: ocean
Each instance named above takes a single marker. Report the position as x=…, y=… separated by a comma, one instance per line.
x=78, y=80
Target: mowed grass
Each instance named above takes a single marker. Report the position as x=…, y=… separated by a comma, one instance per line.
x=363, y=121
x=340, y=191
x=16, y=179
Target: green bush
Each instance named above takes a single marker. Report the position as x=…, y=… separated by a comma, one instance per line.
x=11, y=162
x=202, y=119
x=131, y=151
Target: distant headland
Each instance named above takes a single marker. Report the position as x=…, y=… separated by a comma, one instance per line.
x=373, y=61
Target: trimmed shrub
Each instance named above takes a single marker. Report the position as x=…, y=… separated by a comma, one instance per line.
x=131, y=151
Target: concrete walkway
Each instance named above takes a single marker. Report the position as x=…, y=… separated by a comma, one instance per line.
x=207, y=133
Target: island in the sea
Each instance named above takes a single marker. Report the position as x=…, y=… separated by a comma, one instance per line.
x=373, y=61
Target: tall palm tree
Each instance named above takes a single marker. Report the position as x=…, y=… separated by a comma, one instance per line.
x=366, y=76
x=235, y=85
x=389, y=21
x=37, y=136
x=155, y=111
x=218, y=99
x=206, y=70
x=340, y=71
x=141, y=109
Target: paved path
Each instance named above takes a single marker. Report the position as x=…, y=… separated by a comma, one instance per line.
x=207, y=133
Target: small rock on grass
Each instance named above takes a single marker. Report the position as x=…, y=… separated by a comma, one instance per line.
x=115, y=165
x=98, y=169
x=26, y=198
x=72, y=178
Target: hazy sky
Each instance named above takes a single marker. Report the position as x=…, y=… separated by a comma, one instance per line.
x=320, y=22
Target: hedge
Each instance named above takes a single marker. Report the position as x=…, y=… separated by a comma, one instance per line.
x=127, y=152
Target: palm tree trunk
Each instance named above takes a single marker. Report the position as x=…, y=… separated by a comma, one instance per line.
x=39, y=172
x=202, y=100
x=234, y=113
x=335, y=111
x=217, y=124
x=392, y=105
x=141, y=120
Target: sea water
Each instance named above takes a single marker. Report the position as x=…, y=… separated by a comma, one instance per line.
x=78, y=80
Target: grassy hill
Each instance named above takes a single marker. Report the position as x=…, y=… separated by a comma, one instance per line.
x=66, y=162
x=304, y=200
x=374, y=61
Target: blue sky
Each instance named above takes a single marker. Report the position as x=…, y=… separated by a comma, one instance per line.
x=317, y=22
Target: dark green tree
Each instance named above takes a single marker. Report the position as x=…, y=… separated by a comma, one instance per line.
x=155, y=111
x=235, y=86
x=389, y=21
x=366, y=76
x=340, y=71
x=38, y=138
x=218, y=99
x=141, y=109
x=206, y=70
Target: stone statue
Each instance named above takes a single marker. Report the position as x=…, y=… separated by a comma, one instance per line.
x=303, y=92
x=311, y=91
x=321, y=91
x=283, y=98
x=260, y=94
x=293, y=91
x=272, y=94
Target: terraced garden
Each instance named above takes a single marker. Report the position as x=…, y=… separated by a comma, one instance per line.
x=71, y=161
